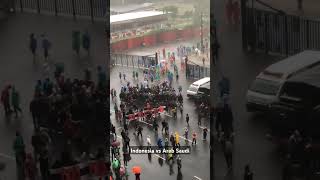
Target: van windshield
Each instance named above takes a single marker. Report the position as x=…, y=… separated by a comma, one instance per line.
x=265, y=87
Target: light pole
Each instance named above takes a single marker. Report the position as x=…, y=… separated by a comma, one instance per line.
x=201, y=31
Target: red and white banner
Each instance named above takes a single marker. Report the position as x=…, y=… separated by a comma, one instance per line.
x=144, y=113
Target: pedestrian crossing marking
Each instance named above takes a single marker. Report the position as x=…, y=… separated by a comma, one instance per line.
x=197, y=177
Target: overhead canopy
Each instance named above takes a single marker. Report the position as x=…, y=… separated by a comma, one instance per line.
x=133, y=16
x=130, y=8
x=134, y=20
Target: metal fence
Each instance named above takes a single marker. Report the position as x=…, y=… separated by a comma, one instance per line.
x=89, y=8
x=194, y=71
x=133, y=61
x=273, y=32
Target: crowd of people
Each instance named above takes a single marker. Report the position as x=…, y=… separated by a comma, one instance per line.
x=142, y=100
x=62, y=110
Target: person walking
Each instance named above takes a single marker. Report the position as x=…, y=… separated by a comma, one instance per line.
x=5, y=100
x=140, y=131
x=155, y=126
x=125, y=151
x=159, y=143
x=137, y=176
x=187, y=119
x=76, y=41
x=179, y=163
x=120, y=75
x=30, y=167
x=86, y=41
x=229, y=12
x=224, y=86
x=37, y=143
x=227, y=123
x=148, y=141
x=15, y=101
x=19, y=149
x=33, y=45
x=199, y=119
x=236, y=13
x=205, y=132
x=166, y=143
x=186, y=132
x=194, y=138
x=177, y=139
x=102, y=78
x=228, y=152
x=34, y=109
x=163, y=125
x=218, y=117
x=46, y=45
x=44, y=164
x=248, y=175
x=215, y=48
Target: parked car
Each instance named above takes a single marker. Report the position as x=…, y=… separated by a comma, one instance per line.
x=265, y=90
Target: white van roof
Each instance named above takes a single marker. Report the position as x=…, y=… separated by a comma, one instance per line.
x=202, y=81
x=290, y=65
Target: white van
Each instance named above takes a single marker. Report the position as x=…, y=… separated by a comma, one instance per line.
x=264, y=90
x=194, y=87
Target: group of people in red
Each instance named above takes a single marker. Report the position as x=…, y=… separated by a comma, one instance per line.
x=233, y=12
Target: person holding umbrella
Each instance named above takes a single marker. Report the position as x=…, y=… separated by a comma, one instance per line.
x=116, y=167
x=136, y=170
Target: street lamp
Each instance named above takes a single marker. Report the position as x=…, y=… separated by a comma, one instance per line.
x=201, y=31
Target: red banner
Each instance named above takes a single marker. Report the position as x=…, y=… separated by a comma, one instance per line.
x=71, y=173
x=144, y=113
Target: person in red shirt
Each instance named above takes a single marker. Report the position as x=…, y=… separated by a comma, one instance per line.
x=236, y=12
x=30, y=167
x=229, y=12
x=194, y=138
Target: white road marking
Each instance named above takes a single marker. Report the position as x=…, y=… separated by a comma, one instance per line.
x=145, y=123
x=197, y=177
x=185, y=138
x=167, y=115
x=159, y=156
x=7, y=156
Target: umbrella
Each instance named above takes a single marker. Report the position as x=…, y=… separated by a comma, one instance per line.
x=115, y=143
x=115, y=164
x=122, y=171
x=136, y=170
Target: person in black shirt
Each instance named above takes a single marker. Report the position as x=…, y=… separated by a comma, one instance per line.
x=139, y=131
x=248, y=175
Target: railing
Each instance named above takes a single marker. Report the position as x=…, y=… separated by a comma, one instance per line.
x=273, y=32
x=194, y=71
x=133, y=61
x=88, y=8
